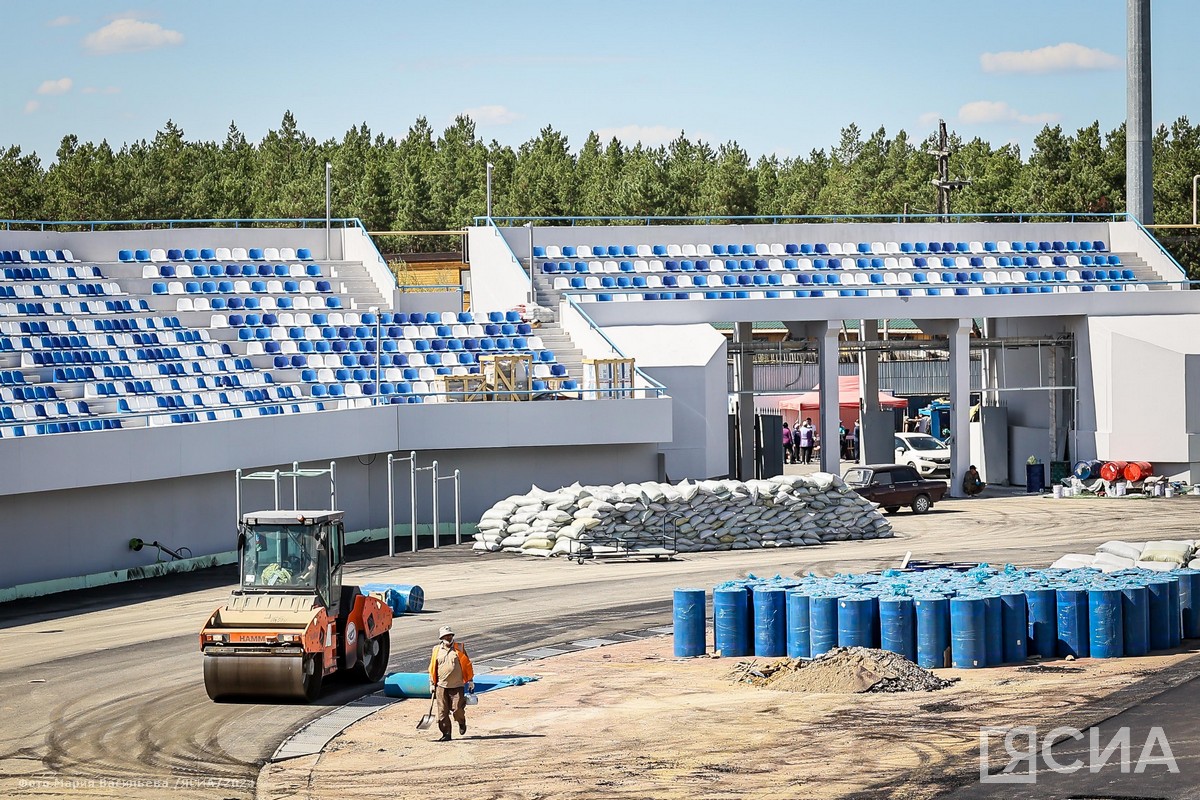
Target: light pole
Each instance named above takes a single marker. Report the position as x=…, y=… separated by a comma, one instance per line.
x=328, y=205
x=378, y=355
x=1194, y=179
x=489, y=190
x=529, y=227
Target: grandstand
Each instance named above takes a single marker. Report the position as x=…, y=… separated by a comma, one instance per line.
x=139, y=368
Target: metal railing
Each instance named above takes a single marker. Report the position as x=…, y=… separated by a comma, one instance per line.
x=1157, y=244
x=172, y=224
x=651, y=384
x=778, y=219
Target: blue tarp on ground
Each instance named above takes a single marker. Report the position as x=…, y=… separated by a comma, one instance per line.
x=416, y=684
x=402, y=598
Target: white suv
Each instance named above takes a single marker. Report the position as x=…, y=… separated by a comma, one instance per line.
x=920, y=450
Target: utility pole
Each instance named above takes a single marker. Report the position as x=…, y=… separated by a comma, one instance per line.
x=943, y=182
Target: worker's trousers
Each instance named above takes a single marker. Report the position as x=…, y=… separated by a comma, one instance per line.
x=451, y=701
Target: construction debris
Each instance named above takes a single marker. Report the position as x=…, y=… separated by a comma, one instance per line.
x=843, y=670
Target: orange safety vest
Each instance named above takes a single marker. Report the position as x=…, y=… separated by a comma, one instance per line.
x=464, y=663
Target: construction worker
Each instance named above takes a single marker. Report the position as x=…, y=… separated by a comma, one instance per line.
x=449, y=671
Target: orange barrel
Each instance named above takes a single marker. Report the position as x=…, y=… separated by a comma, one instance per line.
x=1138, y=470
x=1113, y=470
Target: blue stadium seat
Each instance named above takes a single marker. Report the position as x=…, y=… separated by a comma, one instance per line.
x=304, y=254
x=122, y=255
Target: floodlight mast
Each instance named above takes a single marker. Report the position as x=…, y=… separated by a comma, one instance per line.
x=945, y=185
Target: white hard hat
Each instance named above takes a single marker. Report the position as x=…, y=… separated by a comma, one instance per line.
x=445, y=630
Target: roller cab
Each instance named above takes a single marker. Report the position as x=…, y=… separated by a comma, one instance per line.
x=291, y=622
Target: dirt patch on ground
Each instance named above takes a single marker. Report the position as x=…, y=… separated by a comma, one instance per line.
x=631, y=721
x=842, y=670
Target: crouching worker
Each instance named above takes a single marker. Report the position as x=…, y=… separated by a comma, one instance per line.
x=972, y=483
x=450, y=672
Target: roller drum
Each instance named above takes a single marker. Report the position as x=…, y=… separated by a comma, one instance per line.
x=248, y=675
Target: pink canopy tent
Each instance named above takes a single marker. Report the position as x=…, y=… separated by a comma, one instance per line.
x=808, y=404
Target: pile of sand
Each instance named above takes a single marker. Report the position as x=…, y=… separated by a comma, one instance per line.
x=843, y=670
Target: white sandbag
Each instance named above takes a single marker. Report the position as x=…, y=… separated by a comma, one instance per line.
x=1129, y=550
x=1194, y=563
x=1111, y=563
x=1157, y=566
x=1176, y=551
x=1073, y=561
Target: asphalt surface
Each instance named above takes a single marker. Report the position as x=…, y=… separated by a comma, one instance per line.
x=101, y=691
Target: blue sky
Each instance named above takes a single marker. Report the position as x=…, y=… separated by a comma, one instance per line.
x=780, y=77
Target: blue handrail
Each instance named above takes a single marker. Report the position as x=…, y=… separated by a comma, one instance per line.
x=1157, y=244
x=490, y=221
x=775, y=219
x=620, y=354
x=304, y=222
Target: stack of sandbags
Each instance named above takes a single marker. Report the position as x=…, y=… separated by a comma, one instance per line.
x=787, y=511
x=1166, y=554
x=1163, y=556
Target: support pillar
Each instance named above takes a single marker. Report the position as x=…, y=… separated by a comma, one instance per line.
x=743, y=334
x=875, y=437
x=826, y=335
x=959, y=334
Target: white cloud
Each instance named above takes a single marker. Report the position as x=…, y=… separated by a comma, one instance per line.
x=929, y=119
x=60, y=86
x=59, y=22
x=1065, y=57
x=492, y=115
x=32, y=106
x=985, y=111
x=101, y=90
x=130, y=36
x=649, y=135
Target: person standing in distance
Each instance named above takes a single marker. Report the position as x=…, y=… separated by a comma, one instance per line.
x=450, y=671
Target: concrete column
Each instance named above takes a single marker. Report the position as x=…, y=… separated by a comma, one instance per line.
x=1139, y=125
x=869, y=451
x=960, y=401
x=743, y=333
x=826, y=335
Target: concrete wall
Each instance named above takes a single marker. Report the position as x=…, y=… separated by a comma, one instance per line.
x=71, y=503
x=853, y=232
x=690, y=361
x=357, y=246
x=498, y=280
x=427, y=301
x=104, y=245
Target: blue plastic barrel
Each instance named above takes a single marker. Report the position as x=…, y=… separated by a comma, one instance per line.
x=856, y=621
x=1014, y=627
x=731, y=637
x=1087, y=470
x=770, y=621
x=1135, y=620
x=689, y=622
x=1175, y=622
x=1106, y=635
x=822, y=624
x=933, y=631
x=968, y=632
x=1189, y=601
x=1160, y=613
x=898, y=626
x=411, y=595
x=797, y=625
x=1042, y=606
x=993, y=613
x=1073, y=633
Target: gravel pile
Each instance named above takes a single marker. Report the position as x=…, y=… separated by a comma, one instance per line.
x=787, y=511
x=843, y=670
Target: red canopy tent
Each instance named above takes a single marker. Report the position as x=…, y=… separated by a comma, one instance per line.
x=808, y=404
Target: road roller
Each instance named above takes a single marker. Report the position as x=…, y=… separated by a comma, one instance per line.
x=291, y=623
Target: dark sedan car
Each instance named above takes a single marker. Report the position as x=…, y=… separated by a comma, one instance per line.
x=895, y=485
